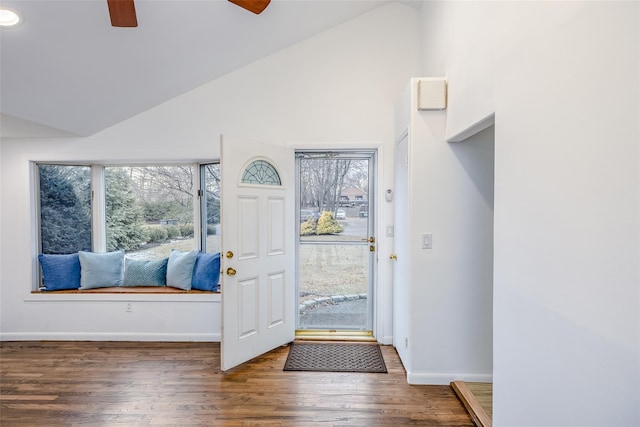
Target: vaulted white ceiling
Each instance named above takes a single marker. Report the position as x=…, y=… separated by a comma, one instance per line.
x=66, y=70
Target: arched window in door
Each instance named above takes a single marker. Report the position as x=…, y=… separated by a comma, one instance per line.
x=260, y=172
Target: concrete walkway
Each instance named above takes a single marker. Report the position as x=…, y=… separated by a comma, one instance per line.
x=344, y=314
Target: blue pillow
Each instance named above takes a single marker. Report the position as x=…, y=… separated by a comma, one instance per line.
x=207, y=272
x=100, y=270
x=145, y=273
x=60, y=271
x=180, y=269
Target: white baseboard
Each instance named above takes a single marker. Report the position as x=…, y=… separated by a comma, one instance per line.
x=425, y=378
x=108, y=336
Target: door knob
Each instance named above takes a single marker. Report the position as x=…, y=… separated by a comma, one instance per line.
x=229, y=254
x=393, y=257
x=231, y=271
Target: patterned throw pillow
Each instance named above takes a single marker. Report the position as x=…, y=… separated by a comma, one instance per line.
x=145, y=273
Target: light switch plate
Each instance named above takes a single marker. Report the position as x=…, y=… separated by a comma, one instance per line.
x=427, y=241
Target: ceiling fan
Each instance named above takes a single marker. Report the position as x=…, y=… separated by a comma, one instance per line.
x=123, y=12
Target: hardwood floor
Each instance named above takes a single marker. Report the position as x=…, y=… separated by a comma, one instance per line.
x=141, y=383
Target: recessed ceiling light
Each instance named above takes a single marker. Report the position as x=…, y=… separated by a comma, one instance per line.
x=8, y=17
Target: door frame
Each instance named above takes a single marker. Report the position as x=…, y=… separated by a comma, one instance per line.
x=374, y=301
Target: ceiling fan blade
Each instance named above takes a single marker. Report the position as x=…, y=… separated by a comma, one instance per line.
x=122, y=13
x=255, y=6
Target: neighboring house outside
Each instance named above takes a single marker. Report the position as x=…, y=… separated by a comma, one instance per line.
x=352, y=196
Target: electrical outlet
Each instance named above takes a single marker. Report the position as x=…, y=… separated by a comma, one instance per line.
x=128, y=308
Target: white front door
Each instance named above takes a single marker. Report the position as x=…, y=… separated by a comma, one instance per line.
x=258, y=249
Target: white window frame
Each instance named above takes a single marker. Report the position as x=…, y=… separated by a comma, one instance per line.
x=98, y=217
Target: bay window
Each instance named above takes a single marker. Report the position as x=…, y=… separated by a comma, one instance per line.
x=144, y=210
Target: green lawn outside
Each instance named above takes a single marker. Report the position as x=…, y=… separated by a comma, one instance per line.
x=324, y=270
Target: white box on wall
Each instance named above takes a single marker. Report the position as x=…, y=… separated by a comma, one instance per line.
x=432, y=93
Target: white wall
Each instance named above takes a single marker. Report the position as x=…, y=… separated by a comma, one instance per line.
x=451, y=197
x=563, y=80
x=335, y=89
x=453, y=282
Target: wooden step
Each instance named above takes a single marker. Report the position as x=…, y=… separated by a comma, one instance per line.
x=472, y=404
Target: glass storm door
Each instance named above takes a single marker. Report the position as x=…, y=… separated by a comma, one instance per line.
x=336, y=246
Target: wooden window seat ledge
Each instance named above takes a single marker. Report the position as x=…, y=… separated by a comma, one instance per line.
x=128, y=290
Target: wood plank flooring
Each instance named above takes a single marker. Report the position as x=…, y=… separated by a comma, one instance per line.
x=141, y=383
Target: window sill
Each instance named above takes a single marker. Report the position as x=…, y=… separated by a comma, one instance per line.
x=143, y=293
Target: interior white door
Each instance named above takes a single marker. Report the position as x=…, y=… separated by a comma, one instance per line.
x=258, y=249
x=401, y=268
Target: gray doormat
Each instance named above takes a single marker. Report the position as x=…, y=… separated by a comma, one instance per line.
x=335, y=357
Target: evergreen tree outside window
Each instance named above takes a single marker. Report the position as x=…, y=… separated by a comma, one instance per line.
x=123, y=214
x=65, y=208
